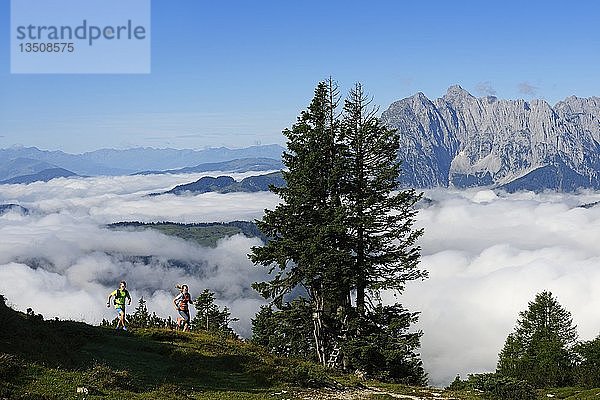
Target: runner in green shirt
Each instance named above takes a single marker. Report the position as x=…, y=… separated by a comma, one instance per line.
x=120, y=295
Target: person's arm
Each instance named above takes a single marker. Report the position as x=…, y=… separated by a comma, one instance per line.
x=108, y=300
x=128, y=298
x=175, y=300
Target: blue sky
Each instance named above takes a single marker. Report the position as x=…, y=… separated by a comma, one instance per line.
x=235, y=73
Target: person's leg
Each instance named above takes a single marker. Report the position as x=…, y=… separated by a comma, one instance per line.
x=186, y=325
x=183, y=320
x=118, y=310
x=123, y=319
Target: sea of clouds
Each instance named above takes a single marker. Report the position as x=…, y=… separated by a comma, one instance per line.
x=487, y=254
x=62, y=261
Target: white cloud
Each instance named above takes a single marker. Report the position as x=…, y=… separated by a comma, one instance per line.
x=485, y=89
x=124, y=198
x=527, y=88
x=488, y=256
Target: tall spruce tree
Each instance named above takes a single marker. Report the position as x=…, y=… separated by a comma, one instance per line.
x=306, y=229
x=379, y=217
x=342, y=228
x=539, y=350
x=382, y=244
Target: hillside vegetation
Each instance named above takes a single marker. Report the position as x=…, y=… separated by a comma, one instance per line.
x=52, y=359
x=205, y=234
x=56, y=359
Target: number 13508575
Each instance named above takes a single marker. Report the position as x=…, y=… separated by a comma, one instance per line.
x=33, y=47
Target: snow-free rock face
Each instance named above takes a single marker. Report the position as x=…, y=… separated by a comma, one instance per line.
x=461, y=140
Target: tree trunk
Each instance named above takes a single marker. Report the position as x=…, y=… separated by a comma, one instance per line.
x=360, y=298
x=318, y=327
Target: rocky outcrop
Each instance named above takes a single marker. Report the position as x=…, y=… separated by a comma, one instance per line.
x=461, y=140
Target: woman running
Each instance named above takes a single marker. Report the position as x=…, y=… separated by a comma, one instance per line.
x=182, y=306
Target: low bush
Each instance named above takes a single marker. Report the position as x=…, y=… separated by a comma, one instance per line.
x=10, y=366
x=303, y=373
x=105, y=378
x=496, y=386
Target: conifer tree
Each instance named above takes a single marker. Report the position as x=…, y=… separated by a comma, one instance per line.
x=342, y=228
x=539, y=350
x=209, y=317
x=306, y=229
x=379, y=216
x=140, y=317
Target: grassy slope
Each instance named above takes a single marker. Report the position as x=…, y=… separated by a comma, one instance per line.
x=51, y=359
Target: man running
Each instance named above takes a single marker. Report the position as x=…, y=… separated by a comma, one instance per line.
x=120, y=295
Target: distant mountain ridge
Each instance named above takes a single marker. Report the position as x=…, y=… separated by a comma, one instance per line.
x=140, y=159
x=23, y=161
x=4, y=208
x=42, y=176
x=226, y=184
x=462, y=141
x=238, y=165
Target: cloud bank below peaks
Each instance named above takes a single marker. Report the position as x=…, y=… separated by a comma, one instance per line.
x=488, y=255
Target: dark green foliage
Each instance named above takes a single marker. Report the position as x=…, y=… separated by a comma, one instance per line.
x=496, y=386
x=540, y=348
x=458, y=384
x=587, y=370
x=10, y=366
x=140, y=318
x=307, y=230
x=380, y=345
x=304, y=229
x=379, y=220
x=286, y=332
x=210, y=317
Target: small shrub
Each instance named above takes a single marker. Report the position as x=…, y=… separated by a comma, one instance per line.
x=500, y=387
x=458, y=385
x=304, y=373
x=10, y=366
x=104, y=377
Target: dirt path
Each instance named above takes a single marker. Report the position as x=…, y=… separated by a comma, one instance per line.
x=362, y=394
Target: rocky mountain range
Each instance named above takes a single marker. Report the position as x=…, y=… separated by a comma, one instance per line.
x=458, y=140
x=461, y=140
